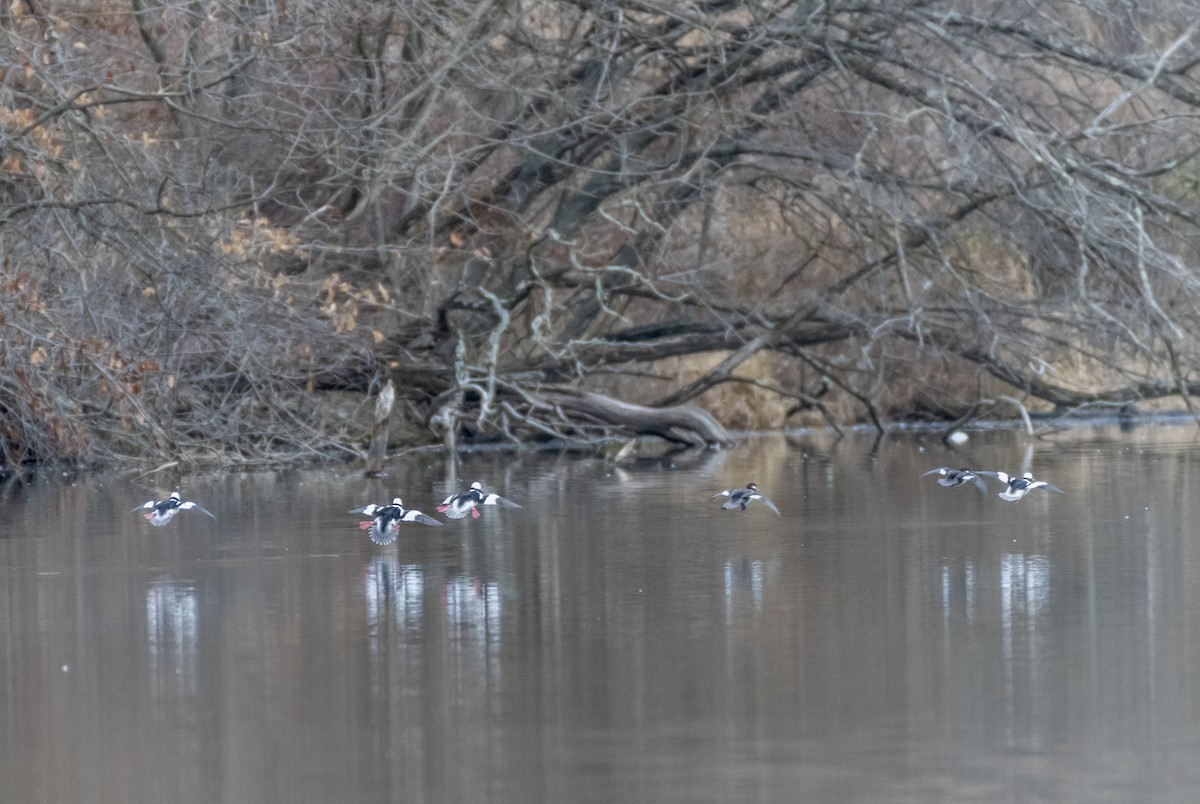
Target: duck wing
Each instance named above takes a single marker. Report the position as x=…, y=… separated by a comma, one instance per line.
x=417, y=516
x=767, y=502
x=496, y=499
x=191, y=506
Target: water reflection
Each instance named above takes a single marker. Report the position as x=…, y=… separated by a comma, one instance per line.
x=172, y=629
x=394, y=592
x=469, y=608
x=620, y=641
x=1024, y=587
x=959, y=588
x=473, y=610
x=747, y=580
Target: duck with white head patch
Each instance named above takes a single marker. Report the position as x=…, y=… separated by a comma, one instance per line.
x=160, y=512
x=951, y=478
x=457, y=506
x=1018, y=487
x=740, y=498
x=384, y=524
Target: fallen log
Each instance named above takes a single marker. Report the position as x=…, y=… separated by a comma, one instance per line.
x=684, y=424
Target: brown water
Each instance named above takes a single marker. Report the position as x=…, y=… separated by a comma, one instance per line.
x=620, y=639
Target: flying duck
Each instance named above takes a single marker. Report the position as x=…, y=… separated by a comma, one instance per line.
x=457, y=506
x=956, y=477
x=384, y=525
x=740, y=498
x=1018, y=487
x=160, y=512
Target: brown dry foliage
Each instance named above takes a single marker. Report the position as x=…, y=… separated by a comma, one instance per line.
x=212, y=214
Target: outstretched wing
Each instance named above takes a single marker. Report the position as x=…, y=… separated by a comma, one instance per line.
x=978, y=481
x=767, y=502
x=1001, y=476
x=369, y=509
x=417, y=516
x=191, y=506
x=146, y=506
x=725, y=493
x=496, y=499
x=1042, y=484
x=941, y=470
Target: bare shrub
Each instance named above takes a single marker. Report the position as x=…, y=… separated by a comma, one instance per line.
x=214, y=212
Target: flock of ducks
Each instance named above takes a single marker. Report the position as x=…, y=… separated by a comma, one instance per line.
x=1014, y=487
x=383, y=521
x=382, y=524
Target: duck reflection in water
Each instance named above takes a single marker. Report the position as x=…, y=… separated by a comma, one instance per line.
x=466, y=608
x=395, y=590
x=172, y=637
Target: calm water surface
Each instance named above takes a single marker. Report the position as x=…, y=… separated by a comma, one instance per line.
x=620, y=639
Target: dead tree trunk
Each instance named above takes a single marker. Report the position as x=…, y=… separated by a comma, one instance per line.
x=377, y=451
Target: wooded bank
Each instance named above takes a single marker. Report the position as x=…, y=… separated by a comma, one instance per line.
x=224, y=226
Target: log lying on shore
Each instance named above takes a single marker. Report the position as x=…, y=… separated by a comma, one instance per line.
x=685, y=424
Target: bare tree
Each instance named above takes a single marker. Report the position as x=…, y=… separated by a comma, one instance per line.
x=216, y=212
